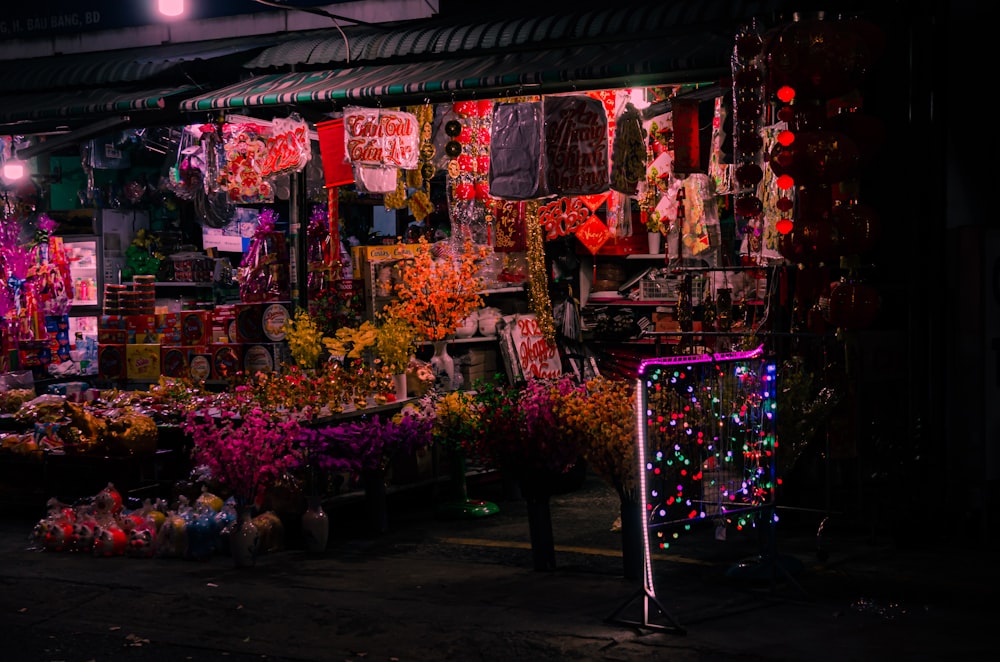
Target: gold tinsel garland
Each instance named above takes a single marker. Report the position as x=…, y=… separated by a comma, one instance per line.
x=419, y=178
x=538, y=281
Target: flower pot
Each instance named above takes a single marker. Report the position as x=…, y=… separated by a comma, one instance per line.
x=468, y=326
x=488, y=318
x=655, y=242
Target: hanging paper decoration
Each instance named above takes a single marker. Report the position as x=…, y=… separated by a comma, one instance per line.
x=576, y=145
x=508, y=232
x=337, y=169
x=288, y=148
x=562, y=216
x=687, y=144
x=242, y=175
x=593, y=234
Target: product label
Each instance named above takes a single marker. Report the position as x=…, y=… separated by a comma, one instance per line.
x=274, y=320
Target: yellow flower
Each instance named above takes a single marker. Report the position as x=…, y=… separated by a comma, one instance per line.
x=305, y=340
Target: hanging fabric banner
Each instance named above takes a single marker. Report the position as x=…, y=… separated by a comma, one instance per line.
x=576, y=145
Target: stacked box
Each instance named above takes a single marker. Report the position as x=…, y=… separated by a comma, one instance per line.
x=477, y=364
x=111, y=361
x=249, y=327
x=142, y=361
x=224, y=324
x=200, y=363
x=141, y=329
x=195, y=327
x=174, y=361
x=265, y=357
x=274, y=318
x=227, y=360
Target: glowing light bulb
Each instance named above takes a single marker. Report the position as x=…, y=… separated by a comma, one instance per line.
x=171, y=7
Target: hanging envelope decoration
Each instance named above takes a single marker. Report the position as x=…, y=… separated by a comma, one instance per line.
x=337, y=169
x=380, y=137
x=516, y=152
x=576, y=145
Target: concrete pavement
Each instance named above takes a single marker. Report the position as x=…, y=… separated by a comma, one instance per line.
x=433, y=589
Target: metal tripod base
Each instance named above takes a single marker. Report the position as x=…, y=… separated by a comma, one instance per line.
x=650, y=604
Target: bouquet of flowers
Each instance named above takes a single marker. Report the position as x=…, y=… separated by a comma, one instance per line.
x=305, y=340
x=602, y=418
x=395, y=343
x=457, y=416
x=521, y=429
x=437, y=292
x=245, y=453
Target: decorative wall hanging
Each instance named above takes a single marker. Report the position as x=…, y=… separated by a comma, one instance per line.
x=288, y=149
x=381, y=137
x=515, y=168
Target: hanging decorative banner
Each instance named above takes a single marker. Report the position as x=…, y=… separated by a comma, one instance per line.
x=241, y=177
x=379, y=137
x=509, y=236
x=593, y=234
x=594, y=202
x=687, y=144
x=515, y=167
x=288, y=147
x=337, y=169
x=576, y=145
x=562, y=216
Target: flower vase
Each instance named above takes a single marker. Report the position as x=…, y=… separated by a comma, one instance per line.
x=632, y=541
x=443, y=365
x=399, y=381
x=537, y=495
x=244, y=540
x=315, y=526
x=655, y=242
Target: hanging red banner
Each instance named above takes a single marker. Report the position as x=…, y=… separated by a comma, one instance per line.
x=509, y=226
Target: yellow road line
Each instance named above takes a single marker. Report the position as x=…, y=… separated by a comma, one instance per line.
x=592, y=551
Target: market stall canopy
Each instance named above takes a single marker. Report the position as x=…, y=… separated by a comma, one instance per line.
x=682, y=59
x=62, y=91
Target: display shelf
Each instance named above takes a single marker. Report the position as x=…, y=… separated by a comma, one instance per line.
x=171, y=283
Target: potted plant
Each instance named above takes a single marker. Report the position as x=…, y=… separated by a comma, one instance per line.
x=395, y=344
x=655, y=229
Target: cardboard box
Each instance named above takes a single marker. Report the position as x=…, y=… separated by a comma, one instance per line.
x=142, y=361
x=111, y=361
x=195, y=327
x=361, y=256
x=249, y=327
x=112, y=336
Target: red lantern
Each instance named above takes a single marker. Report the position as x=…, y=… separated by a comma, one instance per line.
x=858, y=225
x=465, y=191
x=466, y=162
x=853, y=305
x=482, y=190
x=483, y=164
x=464, y=108
x=810, y=241
x=818, y=157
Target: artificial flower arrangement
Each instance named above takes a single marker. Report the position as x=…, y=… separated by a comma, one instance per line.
x=244, y=448
x=457, y=419
x=521, y=430
x=654, y=222
x=305, y=340
x=349, y=348
x=395, y=343
x=368, y=444
x=437, y=290
x=601, y=416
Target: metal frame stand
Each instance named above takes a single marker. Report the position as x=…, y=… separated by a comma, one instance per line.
x=648, y=599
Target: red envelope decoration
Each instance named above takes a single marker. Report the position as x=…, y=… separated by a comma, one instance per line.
x=593, y=234
x=594, y=202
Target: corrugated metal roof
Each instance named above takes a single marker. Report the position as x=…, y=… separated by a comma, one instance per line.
x=695, y=57
x=622, y=22
x=115, y=67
